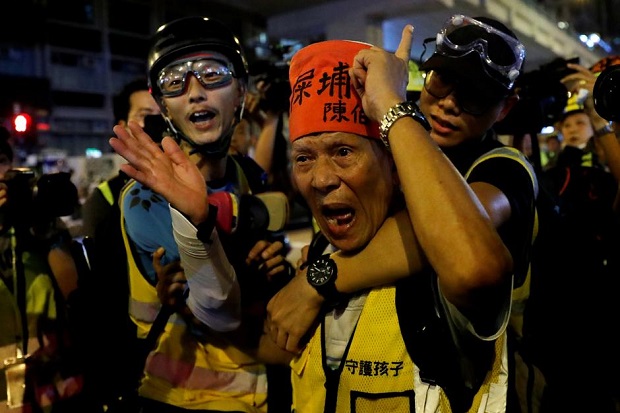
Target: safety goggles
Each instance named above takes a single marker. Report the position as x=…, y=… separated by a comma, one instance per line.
x=211, y=74
x=469, y=98
x=504, y=56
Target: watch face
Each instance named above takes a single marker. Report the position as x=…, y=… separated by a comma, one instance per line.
x=320, y=271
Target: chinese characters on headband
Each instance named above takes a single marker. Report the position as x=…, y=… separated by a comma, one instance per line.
x=333, y=91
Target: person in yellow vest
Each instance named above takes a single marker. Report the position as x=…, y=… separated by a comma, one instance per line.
x=198, y=76
x=417, y=299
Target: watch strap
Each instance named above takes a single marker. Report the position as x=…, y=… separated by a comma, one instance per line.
x=608, y=128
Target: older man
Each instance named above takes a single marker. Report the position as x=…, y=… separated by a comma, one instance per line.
x=440, y=276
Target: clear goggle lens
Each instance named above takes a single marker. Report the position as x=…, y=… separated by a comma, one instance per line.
x=459, y=44
x=211, y=74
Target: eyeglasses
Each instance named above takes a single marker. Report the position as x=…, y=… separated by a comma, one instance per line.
x=469, y=98
x=211, y=74
x=454, y=42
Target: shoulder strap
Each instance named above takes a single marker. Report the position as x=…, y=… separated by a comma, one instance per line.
x=511, y=153
x=156, y=329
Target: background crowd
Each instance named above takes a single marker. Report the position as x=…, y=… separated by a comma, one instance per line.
x=490, y=273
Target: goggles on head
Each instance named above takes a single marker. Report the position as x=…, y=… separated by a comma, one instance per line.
x=454, y=43
x=211, y=73
x=469, y=98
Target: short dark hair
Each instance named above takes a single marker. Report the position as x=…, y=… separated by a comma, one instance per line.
x=120, y=102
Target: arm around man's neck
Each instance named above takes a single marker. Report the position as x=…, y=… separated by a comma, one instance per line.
x=392, y=254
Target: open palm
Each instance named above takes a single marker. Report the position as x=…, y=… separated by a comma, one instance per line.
x=167, y=170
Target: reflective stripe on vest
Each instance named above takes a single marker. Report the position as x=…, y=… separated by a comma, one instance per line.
x=182, y=371
x=104, y=187
x=143, y=301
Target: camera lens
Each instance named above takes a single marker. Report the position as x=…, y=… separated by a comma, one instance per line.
x=607, y=93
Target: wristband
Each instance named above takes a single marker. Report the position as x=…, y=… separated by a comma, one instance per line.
x=206, y=227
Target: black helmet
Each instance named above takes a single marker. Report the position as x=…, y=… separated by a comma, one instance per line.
x=188, y=35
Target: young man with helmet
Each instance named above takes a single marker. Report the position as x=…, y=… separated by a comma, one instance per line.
x=197, y=74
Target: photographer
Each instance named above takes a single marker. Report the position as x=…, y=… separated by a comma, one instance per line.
x=585, y=275
x=266, y=111
x=37, y=277
x=603, y=132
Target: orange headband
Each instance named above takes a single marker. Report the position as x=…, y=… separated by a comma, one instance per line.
x=323, y=99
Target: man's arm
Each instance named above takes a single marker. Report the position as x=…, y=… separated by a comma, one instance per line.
x=455, y=226
x=214, y=296
x=392, y=254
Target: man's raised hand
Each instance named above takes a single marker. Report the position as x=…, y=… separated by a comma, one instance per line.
x=167, y=170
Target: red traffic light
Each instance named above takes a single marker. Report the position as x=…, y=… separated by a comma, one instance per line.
x=22, y=123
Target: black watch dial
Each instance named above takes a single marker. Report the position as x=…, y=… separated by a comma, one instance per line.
x=321, y=271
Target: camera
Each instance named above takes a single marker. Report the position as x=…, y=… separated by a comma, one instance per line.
x=606, y=93
x=271, y=67
x=542, y=98
x=19, y=199
x=31, y=199
x=558, y=68
x=547, y=90
x=276, y=87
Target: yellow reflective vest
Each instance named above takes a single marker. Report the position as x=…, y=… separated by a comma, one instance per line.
x=377, y=373
x=183, y=371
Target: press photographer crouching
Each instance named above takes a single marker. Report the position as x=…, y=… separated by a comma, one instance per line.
x=40, y=365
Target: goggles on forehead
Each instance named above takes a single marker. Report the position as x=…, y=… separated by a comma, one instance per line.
x=211, y=74
x=454, y=42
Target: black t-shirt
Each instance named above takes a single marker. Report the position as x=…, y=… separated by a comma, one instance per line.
x=515, y=182
x=423, y=324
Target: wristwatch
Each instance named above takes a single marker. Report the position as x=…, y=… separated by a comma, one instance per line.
x=322, y=274
x=398, y=111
